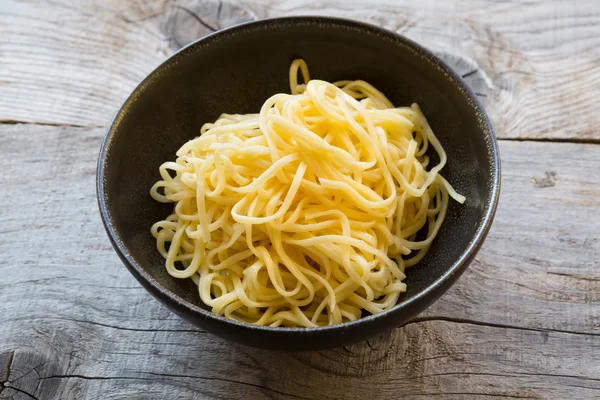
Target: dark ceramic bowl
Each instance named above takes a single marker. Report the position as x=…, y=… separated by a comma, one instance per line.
x=235, y=71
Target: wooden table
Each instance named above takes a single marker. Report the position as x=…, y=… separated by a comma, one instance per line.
x=522, y=322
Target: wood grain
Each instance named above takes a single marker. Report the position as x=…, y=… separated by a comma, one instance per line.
x=522, y=322
x=538, y=62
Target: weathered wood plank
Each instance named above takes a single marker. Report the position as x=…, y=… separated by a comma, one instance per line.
x=523, y=321
x=73, y=64
x=540, y=265
x=443, y=359
x=539, y=61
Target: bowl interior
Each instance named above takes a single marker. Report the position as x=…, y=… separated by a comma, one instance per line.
x=235, y=71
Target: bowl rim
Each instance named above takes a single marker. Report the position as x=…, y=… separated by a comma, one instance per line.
x=457, y=267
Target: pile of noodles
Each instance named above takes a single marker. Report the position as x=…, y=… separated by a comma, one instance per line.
x=307, y=213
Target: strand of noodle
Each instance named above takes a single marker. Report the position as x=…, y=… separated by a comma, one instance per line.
x=293, y=76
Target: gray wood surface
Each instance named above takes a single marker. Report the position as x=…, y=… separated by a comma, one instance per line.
x=539, y=58
x=522, y=322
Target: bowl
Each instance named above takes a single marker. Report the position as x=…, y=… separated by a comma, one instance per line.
x=235, y=70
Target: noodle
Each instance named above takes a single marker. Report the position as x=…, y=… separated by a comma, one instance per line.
x=307, y=213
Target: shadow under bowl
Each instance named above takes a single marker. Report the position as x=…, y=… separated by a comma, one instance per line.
x=235, y=71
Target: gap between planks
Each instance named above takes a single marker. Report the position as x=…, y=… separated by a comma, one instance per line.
x=510, y=139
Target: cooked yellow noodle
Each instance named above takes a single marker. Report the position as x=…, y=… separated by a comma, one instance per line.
x=307, y=213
